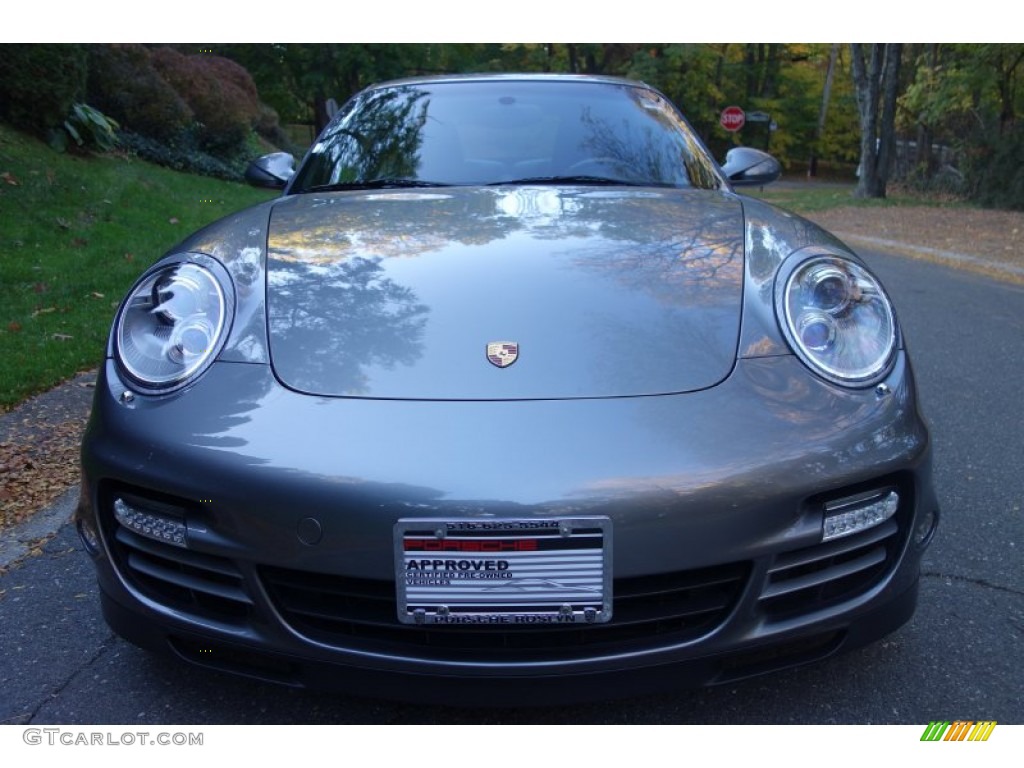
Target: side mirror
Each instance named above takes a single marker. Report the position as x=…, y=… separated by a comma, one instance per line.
x=273, y=171
x=748, y=167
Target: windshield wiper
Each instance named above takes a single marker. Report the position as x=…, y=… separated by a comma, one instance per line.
x=582, y=179
x=344, y=186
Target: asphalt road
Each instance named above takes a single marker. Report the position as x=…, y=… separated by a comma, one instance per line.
x=959, y=658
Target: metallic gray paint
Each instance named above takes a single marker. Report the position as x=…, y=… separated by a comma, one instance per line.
x=688, y=479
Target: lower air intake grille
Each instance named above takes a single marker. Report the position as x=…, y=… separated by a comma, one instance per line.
x=180, y=578
x=362, y=613
x=816, y=577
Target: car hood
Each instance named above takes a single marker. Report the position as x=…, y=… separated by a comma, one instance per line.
x=603, y=292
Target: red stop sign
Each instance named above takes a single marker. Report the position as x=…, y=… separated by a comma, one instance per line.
x=732, y=118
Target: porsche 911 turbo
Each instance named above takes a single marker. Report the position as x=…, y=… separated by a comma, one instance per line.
x=508, y=398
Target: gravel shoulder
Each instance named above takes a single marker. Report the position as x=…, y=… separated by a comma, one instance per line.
x=987, y=242
x=39, y=438
x=39, y=442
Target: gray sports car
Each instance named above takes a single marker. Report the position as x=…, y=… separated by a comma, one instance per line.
x=507, y=398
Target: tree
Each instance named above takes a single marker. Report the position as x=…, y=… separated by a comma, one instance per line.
x=965, y=99
x=876, y=74
x=833, y=55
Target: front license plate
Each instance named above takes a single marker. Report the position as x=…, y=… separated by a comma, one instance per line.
x=504, y=571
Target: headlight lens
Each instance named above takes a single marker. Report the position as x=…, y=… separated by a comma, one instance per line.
x=170, y=326
x=839, y=320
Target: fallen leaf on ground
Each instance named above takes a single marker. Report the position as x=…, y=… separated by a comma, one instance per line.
x=38, y=467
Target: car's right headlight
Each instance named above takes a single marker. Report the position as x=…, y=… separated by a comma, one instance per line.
x=173, y=323
x=838, y=319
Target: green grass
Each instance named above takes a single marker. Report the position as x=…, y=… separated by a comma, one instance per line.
x=811, y=197
x=75, y=232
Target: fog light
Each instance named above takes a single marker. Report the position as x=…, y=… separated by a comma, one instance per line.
x=847, y=517
x=170, y=530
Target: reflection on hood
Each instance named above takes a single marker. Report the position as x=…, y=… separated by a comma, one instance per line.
x=607, y=292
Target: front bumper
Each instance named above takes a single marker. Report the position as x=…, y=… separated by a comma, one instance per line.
x=716, y=500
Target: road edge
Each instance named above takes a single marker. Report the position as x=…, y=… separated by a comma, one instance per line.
x=18, y=542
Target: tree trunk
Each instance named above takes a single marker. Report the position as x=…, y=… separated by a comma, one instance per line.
x=875, y=77
x=772, y=66
x=750, y=64
x=887, y=127
x=1006, y=69
x=924, y=161
x=826, y=94
x=720, y=66
x=320, y=116
x=715, y=93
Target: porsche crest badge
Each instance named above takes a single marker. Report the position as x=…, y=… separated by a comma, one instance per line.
x=502, y=353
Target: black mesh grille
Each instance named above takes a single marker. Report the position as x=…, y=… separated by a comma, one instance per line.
x=361, y=613
x=190, y=581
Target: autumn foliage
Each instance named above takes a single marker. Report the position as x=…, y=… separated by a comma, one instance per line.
x=220, y=93
x=124, y=83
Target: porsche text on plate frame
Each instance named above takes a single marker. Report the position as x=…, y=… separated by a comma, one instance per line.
x=707, y=461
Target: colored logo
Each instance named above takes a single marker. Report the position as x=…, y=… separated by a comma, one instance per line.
x=959, y=730
x=502, y=353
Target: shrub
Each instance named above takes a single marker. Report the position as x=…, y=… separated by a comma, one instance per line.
x=124, y=84
x=233, y=73
x=39, y=83
x=269, y=127
x=88, y=127
x=219, y=92
x=181, y=154
x=994, y=169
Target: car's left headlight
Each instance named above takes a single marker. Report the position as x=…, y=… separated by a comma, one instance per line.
x=838, y=319
x=173, y=323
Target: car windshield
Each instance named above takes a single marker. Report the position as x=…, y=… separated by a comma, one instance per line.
x=507, y=131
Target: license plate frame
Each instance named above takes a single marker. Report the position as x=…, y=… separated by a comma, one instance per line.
x=504, y=572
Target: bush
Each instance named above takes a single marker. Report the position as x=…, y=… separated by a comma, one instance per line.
x=39, y=83
x=945, y=182
x=182, y=154
x=994, y=170
x=124, y=84
x=269, y=127
x=219, y=92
